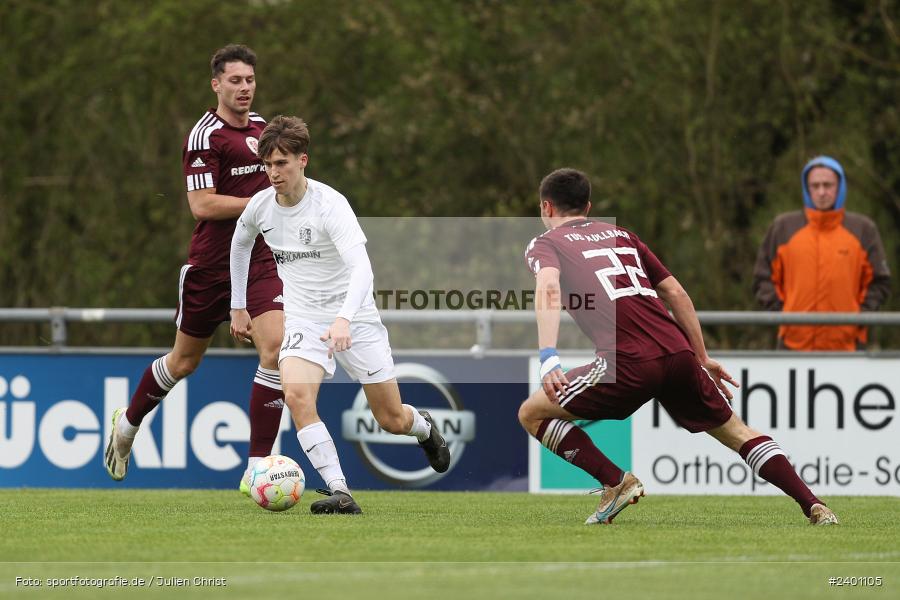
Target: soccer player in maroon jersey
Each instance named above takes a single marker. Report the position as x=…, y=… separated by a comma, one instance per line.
x=615, y=288
x=222, y=171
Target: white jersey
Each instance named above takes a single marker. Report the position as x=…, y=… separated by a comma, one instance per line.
x=307, y=241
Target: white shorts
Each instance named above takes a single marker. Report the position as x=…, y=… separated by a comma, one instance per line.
x=368, y=360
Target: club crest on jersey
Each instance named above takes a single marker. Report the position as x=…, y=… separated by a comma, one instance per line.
x=253, y=144
x=305, y=235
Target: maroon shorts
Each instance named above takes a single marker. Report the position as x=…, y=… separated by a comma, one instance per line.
x=204, y=297
x=677, y=381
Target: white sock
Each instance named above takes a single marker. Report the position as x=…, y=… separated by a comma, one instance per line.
x=270, y=378
x=161, y=374
x=125, y=428
x=319, y=448
x=251, y=462
x=126, y=432
x=420, y=427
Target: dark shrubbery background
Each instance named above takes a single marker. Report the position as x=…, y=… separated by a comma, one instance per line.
x=692, y=117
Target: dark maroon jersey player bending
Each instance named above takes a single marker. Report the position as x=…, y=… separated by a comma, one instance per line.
x=222, y=171
x=614, y=288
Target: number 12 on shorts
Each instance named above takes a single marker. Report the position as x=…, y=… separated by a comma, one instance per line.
x=292, y=341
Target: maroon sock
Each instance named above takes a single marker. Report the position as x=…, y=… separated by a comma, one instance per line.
x=153, y=387
x=266, y=405
x=768, y=461
x=570, y=442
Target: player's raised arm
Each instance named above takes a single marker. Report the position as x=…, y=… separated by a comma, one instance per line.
x=241, y=247
x=673, y=294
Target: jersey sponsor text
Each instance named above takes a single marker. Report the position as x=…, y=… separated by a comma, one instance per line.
x=247, y=169
x=283, y=257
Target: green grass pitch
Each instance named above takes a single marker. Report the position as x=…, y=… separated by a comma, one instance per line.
x=443, y=545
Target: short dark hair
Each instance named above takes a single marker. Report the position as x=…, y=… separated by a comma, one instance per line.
x=231, y=53
x=569, y=190
x=288, y=134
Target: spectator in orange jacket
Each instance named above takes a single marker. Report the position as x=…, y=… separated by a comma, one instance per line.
x=822, y=259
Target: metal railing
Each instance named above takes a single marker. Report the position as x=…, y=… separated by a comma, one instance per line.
x=484, y=320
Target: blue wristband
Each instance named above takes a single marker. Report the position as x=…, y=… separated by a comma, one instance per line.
x=546, y=353
x=549, y=361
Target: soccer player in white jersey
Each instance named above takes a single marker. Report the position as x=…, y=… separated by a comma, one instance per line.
x=320, y=251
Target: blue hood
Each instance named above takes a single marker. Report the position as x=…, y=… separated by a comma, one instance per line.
x=825, y=161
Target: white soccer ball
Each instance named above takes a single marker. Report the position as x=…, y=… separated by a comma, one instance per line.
x=277, y=482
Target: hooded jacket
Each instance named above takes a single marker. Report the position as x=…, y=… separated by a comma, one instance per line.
x=822, y=261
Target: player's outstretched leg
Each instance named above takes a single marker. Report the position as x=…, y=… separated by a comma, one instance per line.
x=266, y=406
x=570, y=442
x=118, y=446
x=156, y=382
x=768, y=461
x=319, y=447
x=551, y=425
x=301, y=379
x=402, y=419
x=266, y=396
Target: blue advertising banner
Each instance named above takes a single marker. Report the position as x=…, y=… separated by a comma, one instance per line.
x=55, y=413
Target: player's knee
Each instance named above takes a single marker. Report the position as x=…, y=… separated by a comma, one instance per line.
x=301, y=401
x=182, y=366
x=531, y=413
x=268, y=357
x=299, y=398
x=525, y=414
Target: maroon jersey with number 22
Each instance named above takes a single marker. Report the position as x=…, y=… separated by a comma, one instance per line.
x=607, y=276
